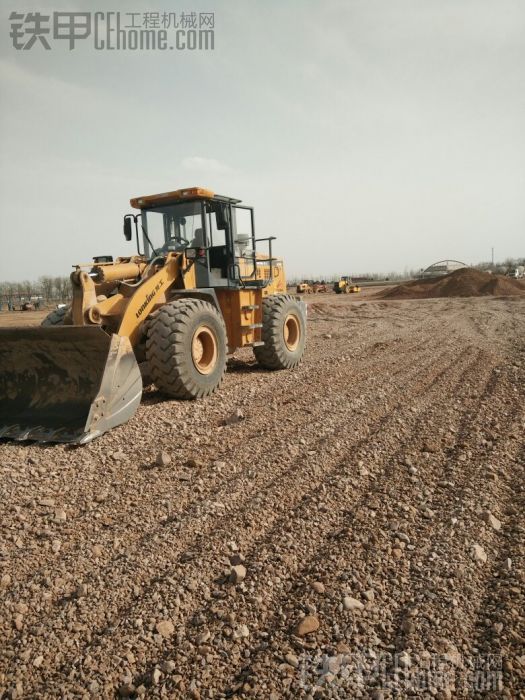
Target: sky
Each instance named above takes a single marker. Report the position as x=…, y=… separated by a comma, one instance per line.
x=369, y=135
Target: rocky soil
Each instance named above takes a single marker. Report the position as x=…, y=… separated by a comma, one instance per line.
x=352, y=529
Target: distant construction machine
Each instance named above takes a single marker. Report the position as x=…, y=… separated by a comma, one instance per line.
x=344, y=285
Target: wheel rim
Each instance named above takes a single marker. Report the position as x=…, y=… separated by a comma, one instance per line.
x=204, y=350
x=292, y=332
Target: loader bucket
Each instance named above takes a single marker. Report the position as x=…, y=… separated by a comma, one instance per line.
x=66, y=383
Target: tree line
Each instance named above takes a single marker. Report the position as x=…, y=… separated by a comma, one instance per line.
x=48, y=289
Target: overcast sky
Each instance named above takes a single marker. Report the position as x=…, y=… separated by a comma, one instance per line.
x=370, y=135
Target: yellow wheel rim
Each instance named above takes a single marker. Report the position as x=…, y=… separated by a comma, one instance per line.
x=292, y=332
x=204, y=350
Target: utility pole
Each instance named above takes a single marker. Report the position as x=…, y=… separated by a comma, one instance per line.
x=492, y=257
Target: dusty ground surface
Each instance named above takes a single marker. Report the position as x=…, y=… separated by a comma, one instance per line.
x=22, y=318
x=375, y=495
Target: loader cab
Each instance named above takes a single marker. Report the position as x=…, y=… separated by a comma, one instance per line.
x=217, y=232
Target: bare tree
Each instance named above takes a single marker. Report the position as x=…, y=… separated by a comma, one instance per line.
x=62, y=286
x=46, y=285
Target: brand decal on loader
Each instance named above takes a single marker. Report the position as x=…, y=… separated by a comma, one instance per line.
x=148, y=299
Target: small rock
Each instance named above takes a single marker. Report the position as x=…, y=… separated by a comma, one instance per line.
x=478, y=554
x=195, y=463
x=318, y=587
x=97, y=550
x=126, y=690
x=81, y=590
x=292, y=660
x=407, y=626
x=377, y=695
x=118, y=456
x=155, y=676
x=163, y=459
x=38, y=661
x=168, y=666
x=101, y=496
x=238, y=573
x=5, y=581
x=369, y=595
x=47, y=502
x=241, y=632
x=491, y=520
x=56, y=545
x=307, y=625
x=203, y=637
x=236, y=417
x=236, y=559
x=60, y=515
x=404, y=659
x=350, y=603
x=165, y=628
x=18, y=621
x=327, y=336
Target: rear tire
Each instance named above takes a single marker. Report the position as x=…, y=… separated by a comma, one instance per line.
x=186, y=349
x=283, y=333
x=55, y=317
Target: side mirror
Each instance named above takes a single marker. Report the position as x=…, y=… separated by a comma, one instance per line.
x=128, y=232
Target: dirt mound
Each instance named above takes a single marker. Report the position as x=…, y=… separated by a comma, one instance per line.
x=466, y=282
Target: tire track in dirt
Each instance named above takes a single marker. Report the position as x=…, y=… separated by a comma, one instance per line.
x=422, y=388
x=278, y=528
x=237, y=441
x=340, y=518
x=292, y=525
x=279, y=525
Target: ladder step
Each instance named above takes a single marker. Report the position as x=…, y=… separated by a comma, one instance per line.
x=250, y=307
x=251, y=326
x=257, y=344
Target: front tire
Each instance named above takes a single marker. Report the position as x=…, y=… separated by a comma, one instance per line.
x=186, y=349
x=283, y=333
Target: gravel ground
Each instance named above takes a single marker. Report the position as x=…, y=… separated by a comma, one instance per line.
x=351, y=529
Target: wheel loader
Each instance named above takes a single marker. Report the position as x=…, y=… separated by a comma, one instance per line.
x=344, y=285
x=197, y=289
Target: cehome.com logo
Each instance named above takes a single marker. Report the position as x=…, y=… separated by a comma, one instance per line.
x=148, y=299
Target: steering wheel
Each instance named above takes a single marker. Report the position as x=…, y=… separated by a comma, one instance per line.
x=173, y=244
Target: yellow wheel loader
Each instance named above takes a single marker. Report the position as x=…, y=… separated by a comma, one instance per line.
x=344, y=285
x=196, y=290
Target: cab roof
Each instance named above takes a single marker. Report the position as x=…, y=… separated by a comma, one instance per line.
x=153, y=200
